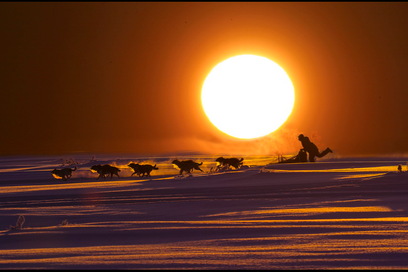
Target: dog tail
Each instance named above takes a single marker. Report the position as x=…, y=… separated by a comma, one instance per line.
x=154, y=167
x=200, y=163
x=241, y=159
x=75, y=168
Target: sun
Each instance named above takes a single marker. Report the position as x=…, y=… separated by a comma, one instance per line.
x=247, y=96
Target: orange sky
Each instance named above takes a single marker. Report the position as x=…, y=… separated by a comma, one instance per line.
x=126, y=77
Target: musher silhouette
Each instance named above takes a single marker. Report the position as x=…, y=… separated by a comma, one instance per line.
x=312, y=149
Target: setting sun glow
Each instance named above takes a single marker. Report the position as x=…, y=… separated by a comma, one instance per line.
x=247, y=96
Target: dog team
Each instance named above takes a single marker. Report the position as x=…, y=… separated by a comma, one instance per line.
x=142, y=170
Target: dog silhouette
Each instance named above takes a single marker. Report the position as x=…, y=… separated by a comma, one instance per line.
x=187, y=166
x=64, y=173
x=142, y=169
x=228, y=162
x=105, y=170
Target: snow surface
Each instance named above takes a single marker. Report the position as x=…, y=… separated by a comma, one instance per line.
x=337, y=213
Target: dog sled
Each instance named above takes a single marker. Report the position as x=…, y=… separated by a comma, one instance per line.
x=300, y=157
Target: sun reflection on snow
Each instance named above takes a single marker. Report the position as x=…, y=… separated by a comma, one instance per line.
x=376, y=169
x=62, y=186
x=278, y=251
x=364, y=173
x=362, y=176
x=307, y=211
